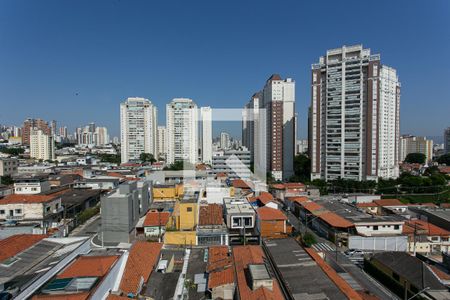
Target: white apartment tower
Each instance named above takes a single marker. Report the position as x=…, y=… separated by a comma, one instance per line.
x=162, y=141
x=138, y=121
x=182, y=130
x=225, y=141
x=42, y=146
x=415, y=144
x=206, y=136
x=353, y=116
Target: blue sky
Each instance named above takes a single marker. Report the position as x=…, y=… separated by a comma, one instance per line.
x=75, y=61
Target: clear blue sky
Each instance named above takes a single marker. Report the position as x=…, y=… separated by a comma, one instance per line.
x=215, y=52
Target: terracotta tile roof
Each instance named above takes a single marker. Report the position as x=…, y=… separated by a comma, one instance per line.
x=270, y=214
x=331, y=273
x=423, y=227
x=425, y=204
x=366, y=204
x=335, y=220
x=241, y=184
x=116, y=297
x=222, y=277
x=299, y=199
x=89, y=266
x=389, y=202
x=278, y=186
x=154, y=218
x=18, y=198
x=311, y=206
x=74, y=296
x=218, y=258
x=444, y=205
x=141, y=261
x=211, y=214
x=221, y=174
x=243, y=256
x=265, y=197
x=294, y=185
x=15, y=244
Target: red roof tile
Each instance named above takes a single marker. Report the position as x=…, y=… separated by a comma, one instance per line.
x=222, y=277
x=388, y=202
x=116, y=297
x=299, y=199
x=278, y=186
x=269, y=214
x=265, y=197
x=366, y=204
x=294, y=185
x=241, y=184
x=423, y=227
x=210, y=214
x=89, y=266
x=439, y=273
x=311, y=206
x=154, y=218
x=140, y=264
x=15, y=244
x=19, y=198
x=243, y=256
x=218, y=258
x=335, y=220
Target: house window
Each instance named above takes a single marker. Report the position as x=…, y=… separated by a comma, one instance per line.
x=375, y=227
x=189, y=209
x=18, y=211
x=396, y=227
x=47, y=208
x=2, y=211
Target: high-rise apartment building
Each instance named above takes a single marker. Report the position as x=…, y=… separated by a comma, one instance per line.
x=206, y=134
x=161, y=141
x=353, y=116
x=182, y=130
x=42, y=145
x=269, y=129
x=415, y=144
x=447, y=140
x=30, y=124
x=138, y=122
x=225, y=141
x=92, y=135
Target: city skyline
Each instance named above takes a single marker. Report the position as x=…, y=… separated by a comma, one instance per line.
x=92, y=88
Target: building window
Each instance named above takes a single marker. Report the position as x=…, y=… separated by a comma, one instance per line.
x=2, y=211
x=47, y=208
x=18, y=211
x=189, y=209
x=375, y=227
x=396, y=227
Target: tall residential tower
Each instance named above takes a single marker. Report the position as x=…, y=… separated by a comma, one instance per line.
x=138, y=121
x=353, y=116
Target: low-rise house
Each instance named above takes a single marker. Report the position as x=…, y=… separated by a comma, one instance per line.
x=5, y=190
x=424, y=237
x=106, y=183
x=142, y=260
x=63, y=179
x=43, y=209
x=8, y=166
x=167, y=192
x=155, y=223
x=264, y=199
x=272, y=223
x=240, y=218
x=84, y=278
x=254, y=280
x=220, y=269
x=31, y=184
x=405, y=275
x=211, y=229
x=391, y=204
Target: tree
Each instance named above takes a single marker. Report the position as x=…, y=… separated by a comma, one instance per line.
x=147, y=157
x=12, y=151
x=180, y=165
x=110, y=158
x=309, y=239
x=444, y=159
x=415, y=158
x=6, y=180
x=302, y=168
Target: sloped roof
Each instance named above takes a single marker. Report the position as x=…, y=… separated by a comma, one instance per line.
x=211, y=214
x=423, y=226
x=366, y=204
x=298, y=199
x=75, y=296
x=241, y=184
x=243, y=256
x=225, y=276
x=154, y=218
x=89, y=266
x=140, y=264
x=269, y=214
x=15, y=244
x=311, y=206
x=265, y=197
x=389, y=202
x=335, y=220
x=218, y=257
x=19, y=198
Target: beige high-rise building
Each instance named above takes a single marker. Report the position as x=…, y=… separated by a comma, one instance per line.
x=42, y=145
x=161, y=134
x=415, y=144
